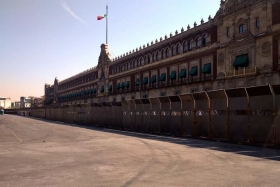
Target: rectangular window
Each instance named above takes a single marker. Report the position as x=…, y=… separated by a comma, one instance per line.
x=194, y=90
x=257, y=23
x=228, y=32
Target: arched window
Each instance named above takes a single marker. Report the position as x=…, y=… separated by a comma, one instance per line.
x=138, y=62
x=198, y=41
x=167, y=53
x=191, y=44
x=163, y=54
x=122, y=68
x=142, y=61
x=242, y=28
x=178, y=48
x=134, y=64
x=185, y=46
x=158, y=55
x=173, y=50
x=154, y=57
x=148, y=59
x=204, y=39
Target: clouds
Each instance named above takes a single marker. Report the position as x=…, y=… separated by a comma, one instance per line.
x=67, y=9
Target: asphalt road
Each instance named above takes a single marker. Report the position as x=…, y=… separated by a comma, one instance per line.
x=35, y=152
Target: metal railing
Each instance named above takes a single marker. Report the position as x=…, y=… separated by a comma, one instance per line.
x=243, y=71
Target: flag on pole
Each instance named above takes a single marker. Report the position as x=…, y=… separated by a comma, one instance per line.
x=101, y=17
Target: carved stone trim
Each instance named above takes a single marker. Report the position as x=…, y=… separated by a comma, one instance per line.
x=266, y=48
x=221, y=59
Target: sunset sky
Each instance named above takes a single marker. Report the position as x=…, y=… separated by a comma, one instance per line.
x=44, y=39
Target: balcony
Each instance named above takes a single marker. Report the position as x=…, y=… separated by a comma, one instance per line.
x=242, y=72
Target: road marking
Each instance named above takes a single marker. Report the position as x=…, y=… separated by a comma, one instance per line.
x=20, y=141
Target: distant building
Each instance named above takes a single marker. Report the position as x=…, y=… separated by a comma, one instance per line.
x=239, y=47
x=16, y=104
x=5, y=102
x=25, y=102
x=37, y=102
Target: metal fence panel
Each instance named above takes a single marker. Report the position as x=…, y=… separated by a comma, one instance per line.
x=146, y=123
x=109, y=115
x=76, y=109
x=176, y=116
x=202, y=114
x=132, y=113
x=85, y=114
x=126, y=115
x=117, y=115
x=276, y=90
x=165, y=115
x=138, y=115
x=261, y=114
x=60, y=116
x=98, y=114
x=238, y=114
x=64, y=111
x=155, y=115
x=104, y=114
x=91, y=114
x=188, y=125
x=218, y=114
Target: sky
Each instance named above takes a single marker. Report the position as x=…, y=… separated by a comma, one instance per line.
x=44, y=39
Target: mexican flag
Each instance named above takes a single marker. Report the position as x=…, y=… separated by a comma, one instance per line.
x=101, y=17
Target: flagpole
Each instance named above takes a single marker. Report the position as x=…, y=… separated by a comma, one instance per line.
x=107, y=24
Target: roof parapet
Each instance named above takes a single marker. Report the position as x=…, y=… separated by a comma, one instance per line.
x=162, y=39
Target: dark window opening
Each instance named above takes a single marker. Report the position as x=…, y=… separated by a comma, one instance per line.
x=167, y=53
x=198, y=41
x=204, y=39
x=228, y=32
x=191, y=44
x=257, y=23
x=242, y=28
x=185, y=46
x=173, y=50
x=178, y=49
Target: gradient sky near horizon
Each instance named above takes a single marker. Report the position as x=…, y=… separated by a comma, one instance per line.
x=44, y=39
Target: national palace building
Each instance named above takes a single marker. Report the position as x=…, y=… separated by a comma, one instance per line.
x=239, y=47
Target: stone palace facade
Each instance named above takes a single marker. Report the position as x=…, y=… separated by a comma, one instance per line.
x=239, y=47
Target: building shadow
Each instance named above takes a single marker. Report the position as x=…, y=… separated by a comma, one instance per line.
x=229, y=147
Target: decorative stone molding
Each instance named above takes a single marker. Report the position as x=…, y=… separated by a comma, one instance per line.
x=221, y=59
x=240, y=83
x=247, y=32
x=266, y=48
x=247, y=50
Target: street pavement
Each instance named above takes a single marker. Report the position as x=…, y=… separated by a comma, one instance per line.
x=36, y=152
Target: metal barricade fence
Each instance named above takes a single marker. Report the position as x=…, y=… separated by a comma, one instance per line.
x=188, y=118
x=202, y=114
x=176, y=116
x=155, y=115
x=165, y=117
x=117, y=115
x=109, y=115
x=146, y=117
x=126, y=115
x=276, y=90
x=138, y=115
x=238, y=114
x=218, y=114
x=260, y=117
